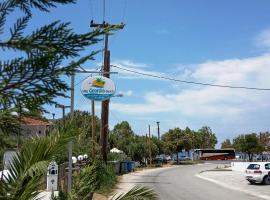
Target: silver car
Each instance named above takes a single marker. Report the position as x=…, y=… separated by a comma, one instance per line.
x=258, y=172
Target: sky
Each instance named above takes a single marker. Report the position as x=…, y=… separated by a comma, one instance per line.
x=217, y=42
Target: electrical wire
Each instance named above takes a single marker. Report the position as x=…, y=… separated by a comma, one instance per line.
x=91, y=9
x=193, y=82
x=104, y=9
x=124, y=11
x=82, y=80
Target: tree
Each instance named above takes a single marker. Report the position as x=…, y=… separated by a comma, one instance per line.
x=81, y=121
x=248, y=143
x=33, y=79
x=171, y=140
x=187, y=138
x=265, y=140
x=29, y=166
x=134, y=146
x=226, y=144
x=123, y=129
x=206, y=138
x=121, y=137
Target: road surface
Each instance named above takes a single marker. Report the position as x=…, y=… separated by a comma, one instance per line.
x=180, y=183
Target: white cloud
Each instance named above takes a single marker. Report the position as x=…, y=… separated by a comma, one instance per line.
x=130, y=64
x=213, y=101
x=138, y=67
x=263, y=39
x=126, y=93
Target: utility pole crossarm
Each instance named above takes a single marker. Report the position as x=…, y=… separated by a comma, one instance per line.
x=107, y=25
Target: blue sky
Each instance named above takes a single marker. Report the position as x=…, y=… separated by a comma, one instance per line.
x=219, y=42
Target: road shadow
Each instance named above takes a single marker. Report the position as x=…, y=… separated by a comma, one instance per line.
x=258, y=184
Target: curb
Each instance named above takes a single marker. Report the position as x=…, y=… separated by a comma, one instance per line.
x=215, y=170
x=232, y=188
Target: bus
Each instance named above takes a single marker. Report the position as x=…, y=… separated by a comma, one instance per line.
x=214, y=154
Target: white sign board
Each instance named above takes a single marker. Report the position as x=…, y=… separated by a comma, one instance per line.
x=98, y=88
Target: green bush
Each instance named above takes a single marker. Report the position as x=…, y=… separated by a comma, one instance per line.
x=107, y=177
x=117, y=156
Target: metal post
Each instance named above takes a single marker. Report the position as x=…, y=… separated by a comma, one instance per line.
x=70, y=143
x=149, y=143
x=93, y=131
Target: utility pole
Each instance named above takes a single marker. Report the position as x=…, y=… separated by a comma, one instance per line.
x=70, y=142
x=63, y=107
x=149, y=144
x=158, y=130
x=105, y=104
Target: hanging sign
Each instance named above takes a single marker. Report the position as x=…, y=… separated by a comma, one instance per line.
x=98, y=88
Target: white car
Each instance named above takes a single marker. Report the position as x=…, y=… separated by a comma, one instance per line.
x=258, y=173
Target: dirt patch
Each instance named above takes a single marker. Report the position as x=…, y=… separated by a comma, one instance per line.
x=99, y=197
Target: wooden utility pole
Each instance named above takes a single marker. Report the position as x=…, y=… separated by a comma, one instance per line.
x=105, y=105
x=104, y=130
x=149, y=144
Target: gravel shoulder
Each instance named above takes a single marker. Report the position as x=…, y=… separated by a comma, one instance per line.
x=236, y=181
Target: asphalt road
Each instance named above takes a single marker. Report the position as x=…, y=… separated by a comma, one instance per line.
x=180, y=183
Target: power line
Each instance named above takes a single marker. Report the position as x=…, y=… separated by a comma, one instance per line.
x=104, y=9
x=91, y=9
x=192, y=82
x=82, y=80
x=124, y=11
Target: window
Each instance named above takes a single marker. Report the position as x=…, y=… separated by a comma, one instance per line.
x=254, y=166
x=267, y=166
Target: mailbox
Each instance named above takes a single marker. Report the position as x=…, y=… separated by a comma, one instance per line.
x=52, y=176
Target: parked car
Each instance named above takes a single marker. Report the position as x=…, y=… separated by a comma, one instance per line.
x=258, y=173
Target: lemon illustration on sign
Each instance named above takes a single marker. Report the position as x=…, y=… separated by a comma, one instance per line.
x=98, y=82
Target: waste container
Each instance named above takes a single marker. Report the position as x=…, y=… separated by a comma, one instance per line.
x=123, y=167
x=130, y=166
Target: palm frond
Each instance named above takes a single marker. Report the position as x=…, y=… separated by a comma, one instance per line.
x=139, y=193
x=30, y=165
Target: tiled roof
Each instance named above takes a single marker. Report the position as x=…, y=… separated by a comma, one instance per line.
x=34, y=122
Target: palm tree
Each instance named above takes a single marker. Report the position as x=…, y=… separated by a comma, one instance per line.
x=30, y=165
x=138, y=193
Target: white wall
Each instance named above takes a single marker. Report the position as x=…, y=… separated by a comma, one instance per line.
x=239, y=166
x=242, y=166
